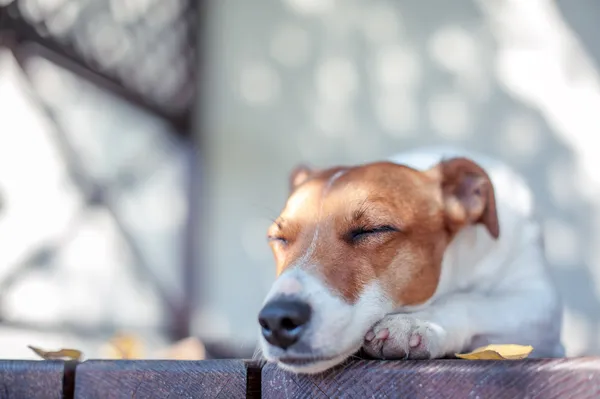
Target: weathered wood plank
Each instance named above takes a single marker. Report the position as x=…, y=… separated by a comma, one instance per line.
x=31, y=379
x=547, y=379
x=160, y=379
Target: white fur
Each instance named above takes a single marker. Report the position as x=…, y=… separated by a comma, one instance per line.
x=490, y=291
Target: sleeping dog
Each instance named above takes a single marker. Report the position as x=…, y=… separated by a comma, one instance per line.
x=430, y=253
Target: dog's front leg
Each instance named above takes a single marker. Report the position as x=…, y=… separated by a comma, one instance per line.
x=407, y=336
x=449, y=326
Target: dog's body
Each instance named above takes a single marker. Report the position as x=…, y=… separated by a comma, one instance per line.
x=428, y=256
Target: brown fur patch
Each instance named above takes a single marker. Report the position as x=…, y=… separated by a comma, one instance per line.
x=406, y=207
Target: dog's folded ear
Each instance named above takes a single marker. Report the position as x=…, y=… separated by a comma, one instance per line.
x=468, y=195
x=299, y=175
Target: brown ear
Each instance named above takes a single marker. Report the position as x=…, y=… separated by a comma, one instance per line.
x=299, y=175
x=468, y=195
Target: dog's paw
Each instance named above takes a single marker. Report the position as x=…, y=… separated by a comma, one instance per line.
x=404, y=336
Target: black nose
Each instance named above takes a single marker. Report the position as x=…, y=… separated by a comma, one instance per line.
x=283, y=321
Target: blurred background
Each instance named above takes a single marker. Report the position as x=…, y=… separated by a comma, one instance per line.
x=144, y=145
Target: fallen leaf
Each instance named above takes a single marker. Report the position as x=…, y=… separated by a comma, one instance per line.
x=63, y=354
x=190, y=348
x=124, y=346
x=498, y=352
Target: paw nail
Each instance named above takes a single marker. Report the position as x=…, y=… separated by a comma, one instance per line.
x=415, y=340
x=383, y=334
x=370, y=335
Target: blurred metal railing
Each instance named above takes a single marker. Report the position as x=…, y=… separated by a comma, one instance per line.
x=143, y=51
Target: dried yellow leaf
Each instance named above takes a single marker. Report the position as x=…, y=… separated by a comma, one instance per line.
x=124, y=346
x=498, y=352
x=63, y=354
x=190, y=348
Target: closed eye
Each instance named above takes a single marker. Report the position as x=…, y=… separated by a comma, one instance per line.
x=362, y=232
x=277, y=239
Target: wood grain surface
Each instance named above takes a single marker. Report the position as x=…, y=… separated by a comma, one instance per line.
x=547, y=379
x=31, y=379
x=104, y=379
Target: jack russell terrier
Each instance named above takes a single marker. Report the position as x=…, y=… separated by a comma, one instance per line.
x=433, y=253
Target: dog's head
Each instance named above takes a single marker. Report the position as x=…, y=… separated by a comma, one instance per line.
x=354, y=243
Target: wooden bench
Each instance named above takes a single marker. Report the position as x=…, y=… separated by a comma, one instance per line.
x=557, y=378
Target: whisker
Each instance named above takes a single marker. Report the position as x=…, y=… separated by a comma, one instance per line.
x=278, y=221
x=345, y=365
x=360, y=212
x=262, y=209
x=258, y=354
